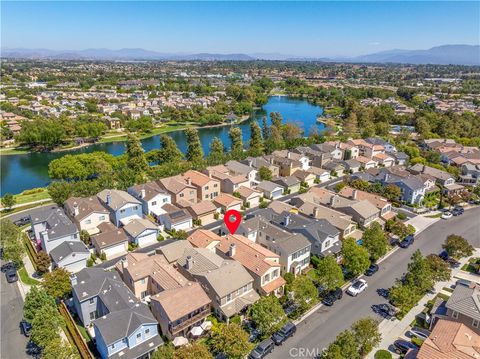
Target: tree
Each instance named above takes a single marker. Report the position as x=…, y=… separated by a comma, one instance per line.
x=231, y=340
x=375, y=241
x=256, y=141
x=59, y=348
x=304, y=291
x=457, y=246
x=403, y=296
x=216, y=154
x=268, y=315
x=10, y=239
x=165, y=351
x=194, y=147
x=8, y=201
x=330, y=274
x=235, y=135
x=195, y=350
x=392, y=192
x=57, y=283
x=85, y=237
x=440, y=269
x=350, y=128
x=276, y=118
x=344, y=346
x=366, y=335
x=419, y=274
x=265, y=173
x=169, y=152
x=265, y=129
x=43, y=262
x=355, y=258
x=36, y=299
x=46, y=326
x=136, y=160
x=275, y=140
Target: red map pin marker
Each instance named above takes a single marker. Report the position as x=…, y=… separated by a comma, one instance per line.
x=232, y=220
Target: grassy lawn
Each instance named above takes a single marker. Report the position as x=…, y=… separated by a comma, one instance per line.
x=22, y=272
x=312, y=273
x=156, y=131
x=13, y=151
x=31, y=195
x=447, y=289
x=83, y=331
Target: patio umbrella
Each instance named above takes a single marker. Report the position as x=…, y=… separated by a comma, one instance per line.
x=206, y=325
x=196, y=331
x=179, y=341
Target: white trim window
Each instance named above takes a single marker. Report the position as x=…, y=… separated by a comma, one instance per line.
x=454, y=314
x=475, y=323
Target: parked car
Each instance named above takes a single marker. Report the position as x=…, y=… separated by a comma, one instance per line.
x=420, y=333
x=7, y=266
x=22, y=221
x=371, y=270
x=11, y=274
x=403, y=346
x=289, y=307
x=284, y=333
x=25, y=327
x=464, y=282
x=453, y=262
x=444, y=255
x=407, y=242
x=447, y=215
x=457, y=211
x=331, y=297
x=262, y=349
x=358, y=287
x=388, y=310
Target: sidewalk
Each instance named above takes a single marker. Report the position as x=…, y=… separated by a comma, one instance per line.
x=392, y=330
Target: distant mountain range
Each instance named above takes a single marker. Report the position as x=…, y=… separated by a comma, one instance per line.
x=442, y=55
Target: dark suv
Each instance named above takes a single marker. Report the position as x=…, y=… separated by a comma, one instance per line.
x=262, y=349
x=284, y=333
x=332, y=296
x=406, y=242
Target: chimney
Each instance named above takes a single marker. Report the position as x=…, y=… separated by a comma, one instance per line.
x=44, y=235
x=189, y=264
x=75, y=209
x=189, y=181
x=250, y=163
x=124, y=263
x=142, y=193
x=109, y=198
x=232, y=250
x=288, y=154
x=387, y=176
x=73, y=279
x=286, y=220
x=315, y=212
x=354, y=194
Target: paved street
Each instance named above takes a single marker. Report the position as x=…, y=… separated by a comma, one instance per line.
x=12, y=342
x=321, y=328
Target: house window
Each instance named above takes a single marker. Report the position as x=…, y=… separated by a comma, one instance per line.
x=122, y=211
x=91, y=300
x=139, y=335
x=101, y=218
x=475, y=323
x=143, y=294
x=206, y=188
x=113, y=346
x=93, y=315
x=88, y=221
x=142, y=281
x=181, y=195
x=154, y=203
x=147, y=331
x=455, y=314
x=135, y=208
x=165, y=200
x=229, y=297
x=215, y=185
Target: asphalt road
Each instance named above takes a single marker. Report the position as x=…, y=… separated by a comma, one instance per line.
x=12, y=342
x=321, y=328
x=16, y=216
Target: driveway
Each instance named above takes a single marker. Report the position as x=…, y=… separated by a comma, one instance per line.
x=321, y=328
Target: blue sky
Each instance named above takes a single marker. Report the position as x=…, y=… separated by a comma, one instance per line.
x=293, y=28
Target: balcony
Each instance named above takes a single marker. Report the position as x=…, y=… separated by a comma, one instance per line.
x=174, y=329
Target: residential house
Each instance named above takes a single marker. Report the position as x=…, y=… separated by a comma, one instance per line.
x=262, y=264
x=71, y=256
x=202, y=212
x=228, y=183
x=367, y=149
x=123, y=326
x=470, y=174
x=304, y=160
x=351, y=165
x=179, y=188
x=111, y=241
x=176, y=218
x=315, y=157
x=463, y=306
x=152, y=197
x=207, y=187
x=401, y=158
x=177, y=303
x=259, y=162
x=336, y=168
x=320, y=174
x=236, y=168
x=226, y=202
x=113, y=123
x=333, y=150
x=384, y=160
x=382, y=204
x=270, y=189
x=251, y=198
x=287, y=166
x=290, y=184
x=450, y=340
x=86, y=213
x=348, y=150
x=366, y=162
x=226, y=281
x=51, y=227
x=141, y=232
x=305, y=177
x=122, y=206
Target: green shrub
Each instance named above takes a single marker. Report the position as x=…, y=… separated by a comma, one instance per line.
x=383, y=354
x=235, y=319
x=401, y=216
x=418, y=342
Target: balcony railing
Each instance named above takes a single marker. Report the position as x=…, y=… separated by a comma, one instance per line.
x=186, y=323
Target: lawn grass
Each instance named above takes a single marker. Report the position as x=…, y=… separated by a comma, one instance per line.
x=13, y=151
x=438, y=215
x=25, y=278
x=31, y=196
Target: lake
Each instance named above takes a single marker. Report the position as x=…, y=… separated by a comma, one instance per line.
x=25, y=171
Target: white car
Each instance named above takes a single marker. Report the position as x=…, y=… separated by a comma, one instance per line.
x=358, y=287
x=447, y=215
